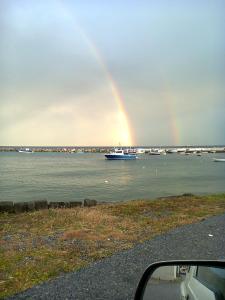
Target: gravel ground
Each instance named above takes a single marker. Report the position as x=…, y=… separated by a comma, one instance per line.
x=117, y=277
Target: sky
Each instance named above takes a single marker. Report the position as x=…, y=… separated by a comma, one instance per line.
x=112, y=72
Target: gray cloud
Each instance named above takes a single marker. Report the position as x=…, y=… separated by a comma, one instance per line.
x=167, y=61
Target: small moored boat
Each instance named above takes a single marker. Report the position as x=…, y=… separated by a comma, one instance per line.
x=154, y=153
x=27, y=150
x=219, y=159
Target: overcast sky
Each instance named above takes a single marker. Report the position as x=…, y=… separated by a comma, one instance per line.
x=166, y=58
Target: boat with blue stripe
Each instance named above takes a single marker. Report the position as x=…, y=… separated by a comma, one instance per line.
x=120, y=154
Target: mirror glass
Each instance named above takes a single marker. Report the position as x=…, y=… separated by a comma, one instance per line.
x=180, y=282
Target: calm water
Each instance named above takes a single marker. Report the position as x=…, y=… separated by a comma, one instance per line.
x=63, y=176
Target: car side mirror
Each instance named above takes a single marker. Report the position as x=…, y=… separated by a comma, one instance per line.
x=183, y=280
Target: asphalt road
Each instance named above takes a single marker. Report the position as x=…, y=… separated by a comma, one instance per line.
x=116, y=277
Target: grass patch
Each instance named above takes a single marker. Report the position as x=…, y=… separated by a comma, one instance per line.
x=37, y=246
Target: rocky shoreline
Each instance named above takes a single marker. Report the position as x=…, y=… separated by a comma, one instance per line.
x=20, y=207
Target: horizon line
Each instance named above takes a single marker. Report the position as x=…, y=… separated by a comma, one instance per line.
x=111, y=146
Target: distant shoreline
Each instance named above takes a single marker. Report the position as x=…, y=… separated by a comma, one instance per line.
x=105, y=149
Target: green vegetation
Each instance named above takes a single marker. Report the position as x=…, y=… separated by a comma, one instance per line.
x=40, y=245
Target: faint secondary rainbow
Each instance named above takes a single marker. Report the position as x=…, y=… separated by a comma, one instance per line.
x=125, y=135
x=174, y=126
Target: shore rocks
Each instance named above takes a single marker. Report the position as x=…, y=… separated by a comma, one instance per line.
x=20, y=207
x=30, y=206
x=23, y=206
x=59, y=204
x=75, y=203
x=6, y=206
x=41, y=204
x=90, y=202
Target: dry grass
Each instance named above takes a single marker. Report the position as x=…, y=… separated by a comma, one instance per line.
x=40, y=245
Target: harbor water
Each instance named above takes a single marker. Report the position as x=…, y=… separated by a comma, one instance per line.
x=66, y=176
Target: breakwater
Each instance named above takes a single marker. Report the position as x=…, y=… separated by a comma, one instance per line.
x=107, y=149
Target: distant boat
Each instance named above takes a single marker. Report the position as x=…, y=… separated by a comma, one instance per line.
x=27, y=150
x=172, y=151
x=154, y=153
x=219, y=159
x=120, y=154
x=157, y=151
x=79, y=151
x=140, y=151
x=131, y=151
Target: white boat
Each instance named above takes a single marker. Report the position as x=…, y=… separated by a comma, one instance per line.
x=27, y=150
x=79, y=151
x=140, y=151
x=120, y=154
x=219, y=159
x=130, y=151
x=154, y=153
x=172, y=151
x=157, y=151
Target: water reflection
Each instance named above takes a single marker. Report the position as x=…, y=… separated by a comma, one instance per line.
x=60, y=176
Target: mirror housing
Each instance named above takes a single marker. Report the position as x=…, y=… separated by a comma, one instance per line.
x=139, y=295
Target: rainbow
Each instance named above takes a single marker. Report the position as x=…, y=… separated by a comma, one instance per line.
x=125, y=134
